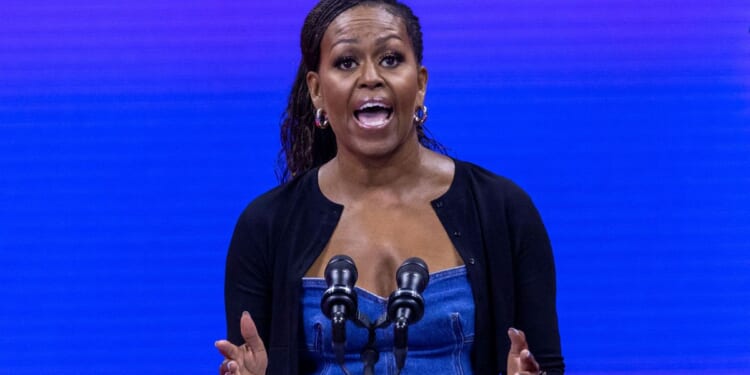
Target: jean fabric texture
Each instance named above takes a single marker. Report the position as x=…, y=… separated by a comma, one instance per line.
x=440, y=343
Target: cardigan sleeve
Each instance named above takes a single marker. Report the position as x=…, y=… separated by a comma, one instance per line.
x=534, y=282
x=247, y=278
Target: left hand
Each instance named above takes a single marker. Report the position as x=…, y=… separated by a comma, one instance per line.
x=520, y=359
x=249, y=358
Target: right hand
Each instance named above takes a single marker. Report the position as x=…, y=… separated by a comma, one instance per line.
x=249, y=358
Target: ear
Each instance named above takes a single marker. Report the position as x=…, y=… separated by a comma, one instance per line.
x=421, y=84
x=313, y=86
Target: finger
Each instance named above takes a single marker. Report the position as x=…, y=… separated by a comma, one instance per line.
x=227, y=349
x=528, y=363
x=517, y=341
x=223, y=367
x=227, y=367
x=250, y=333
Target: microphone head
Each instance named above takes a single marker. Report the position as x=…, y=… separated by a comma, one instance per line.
x=413, y=275
x=341, y=271
x=406, y=304
x=341, y=275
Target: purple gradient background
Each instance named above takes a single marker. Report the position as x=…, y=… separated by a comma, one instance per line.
x=133, y=134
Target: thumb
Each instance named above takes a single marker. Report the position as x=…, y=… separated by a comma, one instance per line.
x=250, y=333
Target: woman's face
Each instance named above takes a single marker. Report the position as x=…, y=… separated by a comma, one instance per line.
x=369, y=82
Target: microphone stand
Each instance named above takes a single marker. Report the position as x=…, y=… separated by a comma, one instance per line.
x=405, y=306
x=370, y=354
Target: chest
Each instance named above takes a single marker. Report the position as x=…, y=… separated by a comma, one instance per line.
x=379, y=237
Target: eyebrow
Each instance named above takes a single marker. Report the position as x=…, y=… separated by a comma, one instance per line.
x=378, y=41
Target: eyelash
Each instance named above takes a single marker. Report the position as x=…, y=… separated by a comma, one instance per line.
x=397, y=57
x=344, y=59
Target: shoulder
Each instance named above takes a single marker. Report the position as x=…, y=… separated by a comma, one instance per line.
x=488, y=185
x=496, y=197
x=280, y=202
x=261, y=225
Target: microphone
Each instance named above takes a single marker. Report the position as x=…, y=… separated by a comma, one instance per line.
x=406, y=305
x=339, y=301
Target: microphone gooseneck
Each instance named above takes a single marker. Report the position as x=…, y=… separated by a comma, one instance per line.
x=406, y=305
x=339, y=302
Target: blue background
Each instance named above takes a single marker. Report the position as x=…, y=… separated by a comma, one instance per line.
x=132, y=135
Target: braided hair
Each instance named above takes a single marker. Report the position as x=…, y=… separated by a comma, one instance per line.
x=303, y=145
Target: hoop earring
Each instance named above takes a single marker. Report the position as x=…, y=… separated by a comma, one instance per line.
x=420, y=115
x=321, y=120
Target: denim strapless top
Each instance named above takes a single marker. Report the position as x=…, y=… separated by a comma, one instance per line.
x=440, y=343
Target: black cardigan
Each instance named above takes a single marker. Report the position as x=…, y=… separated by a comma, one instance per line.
x=492, y=222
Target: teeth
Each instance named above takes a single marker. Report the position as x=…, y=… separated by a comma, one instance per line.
x=372, y=115
x=372, y=105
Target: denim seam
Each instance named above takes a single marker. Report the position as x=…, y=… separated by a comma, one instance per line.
x=458, y=336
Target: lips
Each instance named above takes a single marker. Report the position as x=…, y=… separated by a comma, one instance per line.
x=373, y=113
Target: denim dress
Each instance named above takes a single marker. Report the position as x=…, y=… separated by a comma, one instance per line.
x=440, y=343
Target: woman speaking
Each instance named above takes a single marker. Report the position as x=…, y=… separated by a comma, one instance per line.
x=362, y=178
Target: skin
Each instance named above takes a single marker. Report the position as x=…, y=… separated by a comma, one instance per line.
x=251, y=358
x=366, y=53
x=382, y=176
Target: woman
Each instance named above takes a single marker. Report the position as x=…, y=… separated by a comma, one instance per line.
x=364, y=182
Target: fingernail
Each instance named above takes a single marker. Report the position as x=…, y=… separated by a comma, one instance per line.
x=230, y=366
x=515, y=331
x=216, y=344
x=245, y=313
x=526, y=353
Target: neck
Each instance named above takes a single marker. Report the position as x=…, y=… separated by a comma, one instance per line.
x=347, y=176
x=380, y=171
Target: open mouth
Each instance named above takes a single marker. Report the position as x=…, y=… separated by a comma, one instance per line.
x=373, y=115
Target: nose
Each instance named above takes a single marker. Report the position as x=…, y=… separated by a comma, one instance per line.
x=370, y=77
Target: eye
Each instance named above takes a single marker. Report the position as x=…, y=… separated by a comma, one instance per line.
x=391, y=60
x=345, y=63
